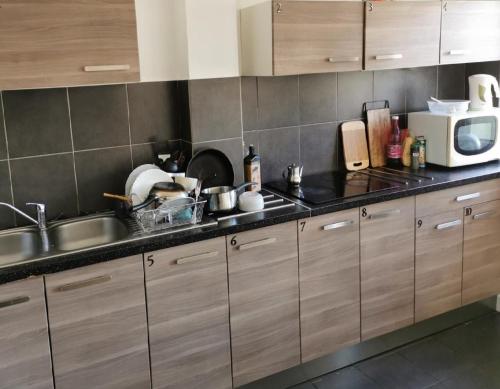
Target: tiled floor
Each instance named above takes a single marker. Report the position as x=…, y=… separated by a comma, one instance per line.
x=464, y=357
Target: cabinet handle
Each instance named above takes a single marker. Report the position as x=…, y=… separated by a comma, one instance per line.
x=388, y=56
x=335, y=226
x=340, y=60
x=456, y=52
x=258, y=243
x=445, y=226
x=196, y=258
x=14, y=301
x=384, y=214
x=83, y=284
x=471, y=196
x=106, y=68
x=483, y=215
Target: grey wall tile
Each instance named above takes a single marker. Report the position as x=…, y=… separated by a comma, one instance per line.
x=354, y=88
x=49, y=180
x=391, y=85
x=233, y=148
x=99, y=116
x=250, y=138
x=37, y=122
x=421, y=85
x=278, y=99
x=153, y=112
x=184, y=118
x=3, y=145
x=278, y=148
x=146, y=153
x=451, y=81
x=249, y=103
x=318, y=147
x=318, y=98
x=215, y=109
x=6, y=216
x=100, y=171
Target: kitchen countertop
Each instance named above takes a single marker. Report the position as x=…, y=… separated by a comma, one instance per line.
x=443, y=178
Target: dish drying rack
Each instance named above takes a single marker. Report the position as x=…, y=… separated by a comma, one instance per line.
x=163, y=217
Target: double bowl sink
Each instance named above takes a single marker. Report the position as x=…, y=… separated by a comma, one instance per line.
x=28, y=243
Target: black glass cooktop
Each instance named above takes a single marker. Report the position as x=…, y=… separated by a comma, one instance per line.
x=327, y=187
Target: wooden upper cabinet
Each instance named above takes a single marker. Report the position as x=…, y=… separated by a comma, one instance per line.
x=188, y=312
x=402, y=34
x=24, y=339
x=317, y=36
x=48, y=43
x=98, y=326
x=387, y=239
x=470, y=31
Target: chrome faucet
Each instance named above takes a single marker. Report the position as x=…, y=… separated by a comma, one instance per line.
x=41, y=221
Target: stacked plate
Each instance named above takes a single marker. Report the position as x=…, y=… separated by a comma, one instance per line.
x=141, y=181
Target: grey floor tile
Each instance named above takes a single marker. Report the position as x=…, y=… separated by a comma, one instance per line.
x=306, y=385
x=348, y=378
x=473, y=378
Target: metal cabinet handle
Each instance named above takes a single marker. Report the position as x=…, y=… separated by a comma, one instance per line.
x=335, y=226
x=14, y=301
x=483, y=215
x=468, y=197
x=340, y=60
x=106, y=68
x=196, y=258
x=83, y=284
x=445, y=226
x=384, y=214
x=258, y=243
x=456, y=52
x=388, y=56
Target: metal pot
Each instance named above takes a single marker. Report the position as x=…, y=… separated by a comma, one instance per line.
x=168, y=191
x=223, y=198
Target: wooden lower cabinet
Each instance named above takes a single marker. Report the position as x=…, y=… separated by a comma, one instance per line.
x=188, y=310
x=264, y=301
x=98, y=326
x=481, y=273
x=24, y=339
x=438, y=264
x=387, y=241
x=329, y=283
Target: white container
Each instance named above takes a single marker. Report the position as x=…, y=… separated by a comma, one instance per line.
x=448, y=106
x=250, y=202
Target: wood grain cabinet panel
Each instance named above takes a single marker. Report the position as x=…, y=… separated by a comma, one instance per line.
x=329, y=283
x=48, y=43
x=470, y=31
x=264, y=301
x=24, y=339
x=481, y=274
x=438, y=264
x=188, y=308
x=98, y=326
x=387, y=240
x=401, y=34
x=317, y=36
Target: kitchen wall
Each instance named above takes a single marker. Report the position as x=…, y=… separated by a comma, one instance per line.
x=65, y=147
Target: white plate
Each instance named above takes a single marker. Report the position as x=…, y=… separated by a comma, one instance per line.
x=135, y=173
x=145, y=182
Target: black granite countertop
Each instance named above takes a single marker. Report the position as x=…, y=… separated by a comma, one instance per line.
x=443, y=178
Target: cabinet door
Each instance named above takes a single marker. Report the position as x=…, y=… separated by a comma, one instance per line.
x=61, y=43
x=264, y=301
x=317, y=36
x=470, y=32
x=438, y=264
x=188, y=312
x=387, y=266
x=98, y=329
x=402, y=34
x=329, y=283
x=24, y=339
x=481, y=248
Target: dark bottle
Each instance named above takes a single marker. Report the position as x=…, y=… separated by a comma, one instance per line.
x=394, y=148
x=252, y=169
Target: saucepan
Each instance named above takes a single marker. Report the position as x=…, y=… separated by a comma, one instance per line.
x=223, y=198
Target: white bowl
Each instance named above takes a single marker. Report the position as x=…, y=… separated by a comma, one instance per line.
x=188, y=183
x=250, y=202
x=145, y=182
x=448, y=106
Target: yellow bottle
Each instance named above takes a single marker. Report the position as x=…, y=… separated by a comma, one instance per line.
x=406, y=154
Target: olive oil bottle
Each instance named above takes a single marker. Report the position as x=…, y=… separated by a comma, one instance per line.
x=252, y=170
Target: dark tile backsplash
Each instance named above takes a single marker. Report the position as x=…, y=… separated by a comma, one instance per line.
x=65, y=147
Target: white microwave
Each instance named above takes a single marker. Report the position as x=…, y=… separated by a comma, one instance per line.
x=458, y=139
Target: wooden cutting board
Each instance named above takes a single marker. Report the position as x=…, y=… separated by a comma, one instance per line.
x=355, y=146
x=379, y=132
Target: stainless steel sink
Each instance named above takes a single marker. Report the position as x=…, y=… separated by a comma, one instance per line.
x=19, y=245
x=85, y=233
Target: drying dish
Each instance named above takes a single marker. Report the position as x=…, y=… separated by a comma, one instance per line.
x=448, y=106
x=135, y=173
x=223, y=198
x=250, y=202
x=143, y=184
x=211, y=166
x=188, y=183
